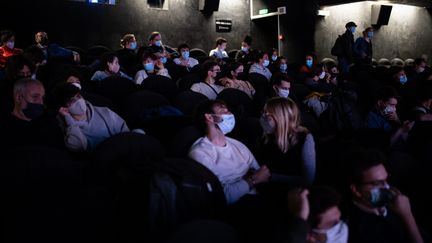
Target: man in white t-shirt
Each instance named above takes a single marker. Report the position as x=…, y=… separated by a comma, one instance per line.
x=209, y=71
x=230, y=160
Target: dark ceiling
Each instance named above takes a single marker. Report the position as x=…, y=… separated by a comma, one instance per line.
x=419, y=3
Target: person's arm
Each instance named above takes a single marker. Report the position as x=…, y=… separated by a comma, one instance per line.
x=124, y=75
x=402, y=207
x=309, y=159
x=74, y=139
x=401, y=133
x=163, y=72
x=116, y=123
x=140, y=76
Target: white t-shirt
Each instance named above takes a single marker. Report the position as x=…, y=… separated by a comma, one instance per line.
x=229, y=163
x=204, y=88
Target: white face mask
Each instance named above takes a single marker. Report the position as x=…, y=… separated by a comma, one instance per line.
x=389, y=109
x=227, y=124
x=322, y=75
x=336, y=234
x=283, y=93
x=10, y=44
x=420, y=69
x=266, y=63
x=78, y=108
x=78, y=85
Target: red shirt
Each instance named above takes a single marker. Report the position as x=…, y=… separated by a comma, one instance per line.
x=6, y=53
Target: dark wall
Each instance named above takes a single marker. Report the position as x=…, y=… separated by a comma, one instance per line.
x=297, y=27
x=407, y=35
x=83, y=24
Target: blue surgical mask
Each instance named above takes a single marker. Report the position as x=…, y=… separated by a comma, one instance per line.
x=403, y=79
x=284, y=93
x=227, y=124
x=266, y=63
x=274, y=58
x=163, y=60
x=149, y=66
x=309, y=63
x=283, y=67
x=353, y=29
x=185, y=55
x=158, y=43
x=133, y=45
x=370, y=34
x=244, y=49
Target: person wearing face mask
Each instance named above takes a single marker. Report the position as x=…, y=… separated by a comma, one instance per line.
x=219, y=51
x=231, y=80
x=378, y=212
x=127, y=54
x=185, y=60
x=344, y=47
x=230, y=160
x=281, y=85
x=287, y=148
x=28, y=121
x=273, y=58
x=308, y=65
x=363, y=52
x=245, y=54
x=109, y=67
x=385, y=118
x=152, y=65
x=419, y=72
x=261, y=63
x=85, y=126
x=209, y=71
x=155, y=45
x=325, y=216
x=7, y=48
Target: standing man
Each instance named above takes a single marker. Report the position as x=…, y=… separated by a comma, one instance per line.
x=343, y=48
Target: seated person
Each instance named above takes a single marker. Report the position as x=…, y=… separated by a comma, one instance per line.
x=385, y=118
x=152, y=66
x=155, y=44
x=184, y=60
x=7, y=48
x=378, y=212
x=109, y=67
x=127, y=54
x=85, y=126
x=52, y=50
x=287, y=148
x=219, y=52
x=209, y=71
x=230, y=160
x=281, y=66
x=310, y=62
x=261, y=62
x=281, y=85
x=325, y=216
x=423, y=110
x=231, y=81
x=28, y=122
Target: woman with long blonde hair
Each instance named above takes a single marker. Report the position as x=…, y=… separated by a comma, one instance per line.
x=287, y=147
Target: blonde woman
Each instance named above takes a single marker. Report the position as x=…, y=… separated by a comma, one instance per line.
x=287, y=148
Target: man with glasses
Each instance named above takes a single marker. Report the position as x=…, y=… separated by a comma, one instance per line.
x=379, y=212
x=209, y=71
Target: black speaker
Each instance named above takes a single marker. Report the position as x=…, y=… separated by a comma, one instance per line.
x=380, y=14
x=209, y=5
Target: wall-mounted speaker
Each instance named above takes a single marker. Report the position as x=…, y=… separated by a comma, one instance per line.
x=208, y=5
x=380, y=14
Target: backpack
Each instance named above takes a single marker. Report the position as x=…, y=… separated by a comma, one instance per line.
x=337, y=49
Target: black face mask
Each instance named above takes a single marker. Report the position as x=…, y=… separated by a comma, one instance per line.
x=44, y=41
x=33, y=110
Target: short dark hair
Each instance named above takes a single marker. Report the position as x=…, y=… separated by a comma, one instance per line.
x=207, y=66
x=321, y=198
x=5, y=35
x=277, y=78
x=63, y=92
x=419, y=61
x=15, y=63
x=350, y=24
x=361, y=160
x=258, y=55
x=34, y=54
x=232, y=67
x=106, y=58
x=248, y=40
x=205, y=107
x=220, y=40
x=146, y=54
x=385, y=93
x=181, y=46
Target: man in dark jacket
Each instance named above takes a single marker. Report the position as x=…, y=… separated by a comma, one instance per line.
x=344, y=49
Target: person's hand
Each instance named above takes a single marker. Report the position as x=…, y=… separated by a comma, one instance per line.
x=400, y=204
x=298, y=203
x=407, y=126
x=64, y=111
x=76, y=57
x=261, y=175
x=159, y=64
x=393, y=117
x=184, y=63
